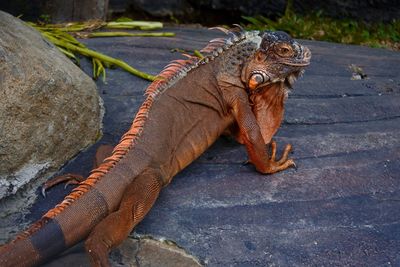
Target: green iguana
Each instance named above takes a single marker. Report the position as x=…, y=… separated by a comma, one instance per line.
x=240, y=85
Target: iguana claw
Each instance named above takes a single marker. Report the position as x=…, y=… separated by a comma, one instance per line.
x=273, y=165
x=294, y=166
x=68, y=179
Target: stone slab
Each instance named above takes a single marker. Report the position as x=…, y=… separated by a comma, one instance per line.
x=339, y=208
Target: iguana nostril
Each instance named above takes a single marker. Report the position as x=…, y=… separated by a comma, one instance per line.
x=307, y=53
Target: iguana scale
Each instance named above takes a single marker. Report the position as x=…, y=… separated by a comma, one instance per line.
x=240, y=86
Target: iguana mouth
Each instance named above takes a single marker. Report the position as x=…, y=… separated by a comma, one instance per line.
x=301, y=64
x=287, y=82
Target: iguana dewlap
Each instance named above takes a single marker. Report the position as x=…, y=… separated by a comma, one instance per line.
x=240, y=85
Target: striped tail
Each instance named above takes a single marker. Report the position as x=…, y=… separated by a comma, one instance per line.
x=50, y=236
x=33, y=250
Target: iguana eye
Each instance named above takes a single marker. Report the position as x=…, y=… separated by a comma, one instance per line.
x=284, y=50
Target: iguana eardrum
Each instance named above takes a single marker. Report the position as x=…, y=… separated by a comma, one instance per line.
x=241, y=85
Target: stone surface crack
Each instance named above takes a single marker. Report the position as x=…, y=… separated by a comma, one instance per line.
x=285, y=122
x=333, y=96
x=136, y=257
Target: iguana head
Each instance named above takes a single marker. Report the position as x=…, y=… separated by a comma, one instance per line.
x=269, y=72
x=278, y=59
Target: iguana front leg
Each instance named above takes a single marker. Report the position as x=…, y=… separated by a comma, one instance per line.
x=252, y=138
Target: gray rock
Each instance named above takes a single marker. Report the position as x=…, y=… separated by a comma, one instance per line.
x=152, y=253
x=49, y=109
x=133, y=252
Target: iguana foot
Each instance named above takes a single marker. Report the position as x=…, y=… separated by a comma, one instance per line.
x=68, y=179
x=283, y=163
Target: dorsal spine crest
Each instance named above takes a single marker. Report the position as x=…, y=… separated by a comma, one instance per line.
x=178, y=69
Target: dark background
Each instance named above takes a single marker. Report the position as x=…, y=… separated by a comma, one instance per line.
x=206, y=12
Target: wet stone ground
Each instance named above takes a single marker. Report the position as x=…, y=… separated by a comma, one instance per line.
x=341, y=207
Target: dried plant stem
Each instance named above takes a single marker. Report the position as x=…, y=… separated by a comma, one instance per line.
x=127, y=34
x=93, y=54
x=59, y=35
x=142, y=25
